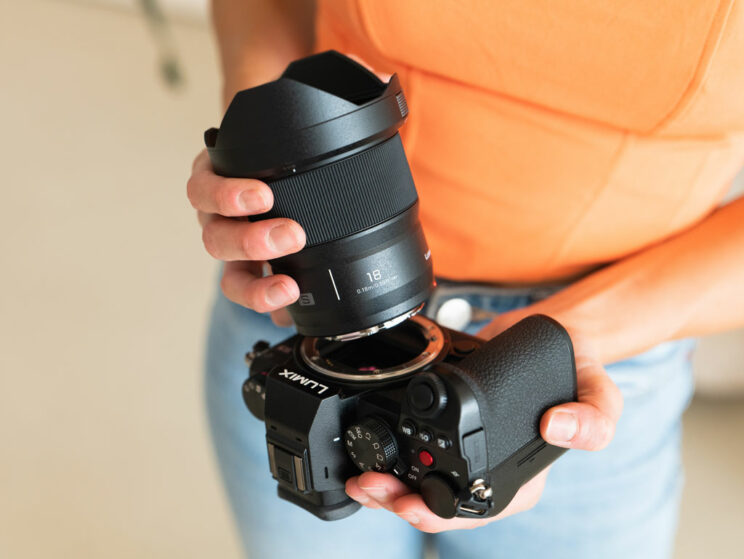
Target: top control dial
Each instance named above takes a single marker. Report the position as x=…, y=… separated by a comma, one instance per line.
x=371, y=445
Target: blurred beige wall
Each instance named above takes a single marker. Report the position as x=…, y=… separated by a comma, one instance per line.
x=104, y=297
x=105, y=290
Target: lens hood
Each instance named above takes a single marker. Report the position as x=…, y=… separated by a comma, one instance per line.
x=322, y=108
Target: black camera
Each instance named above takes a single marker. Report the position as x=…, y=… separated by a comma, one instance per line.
x=452, y=416
x=369, y=384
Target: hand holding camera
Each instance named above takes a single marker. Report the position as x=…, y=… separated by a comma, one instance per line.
x=588, y=424
x=447, y=427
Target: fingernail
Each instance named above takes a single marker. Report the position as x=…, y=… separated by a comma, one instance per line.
x=376, y=492
x=253, y=200
x=562, y=427
x=283, y=238
x=408, y=517
x=278, y=295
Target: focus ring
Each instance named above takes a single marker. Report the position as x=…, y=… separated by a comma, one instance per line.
x=347, y=196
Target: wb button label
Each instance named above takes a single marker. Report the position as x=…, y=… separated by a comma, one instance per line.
x=306, y=299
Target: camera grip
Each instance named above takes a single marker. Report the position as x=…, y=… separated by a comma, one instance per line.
x=516, y=377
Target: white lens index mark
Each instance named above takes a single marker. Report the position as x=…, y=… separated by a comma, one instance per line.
x=427, y=255
x=333, y=282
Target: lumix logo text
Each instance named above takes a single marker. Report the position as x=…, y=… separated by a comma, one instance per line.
x=304, y=381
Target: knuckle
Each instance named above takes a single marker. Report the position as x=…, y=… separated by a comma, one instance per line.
x=225, y=283
x=191, y=189
x=256, y=301
x=210, y=240
x=602, y=432
x=224, y=197
x=249, y=246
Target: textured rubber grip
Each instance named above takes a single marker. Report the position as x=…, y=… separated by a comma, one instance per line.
x=347, y=196
x=516, y=377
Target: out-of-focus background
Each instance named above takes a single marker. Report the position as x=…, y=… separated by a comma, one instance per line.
x=105, y=289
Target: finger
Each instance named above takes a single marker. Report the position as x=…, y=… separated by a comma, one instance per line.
x=358, y=494
x=230, y=197
x=383, y=488
x=588, y=424
x=282, y=318
x=230, y=239
x=243, y=286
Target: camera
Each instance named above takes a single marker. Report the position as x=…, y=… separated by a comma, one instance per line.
x=368, y=384
x=454, y=417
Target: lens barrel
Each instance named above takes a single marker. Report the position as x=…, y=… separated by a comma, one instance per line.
x=324, y=138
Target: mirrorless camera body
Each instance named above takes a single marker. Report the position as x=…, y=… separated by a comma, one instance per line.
x=453, y=417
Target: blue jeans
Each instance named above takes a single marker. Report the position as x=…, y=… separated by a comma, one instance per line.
x=620, y=502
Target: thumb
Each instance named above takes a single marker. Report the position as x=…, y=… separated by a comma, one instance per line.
x=588, y=424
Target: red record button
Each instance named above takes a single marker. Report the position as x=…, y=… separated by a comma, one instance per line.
x=425, y=458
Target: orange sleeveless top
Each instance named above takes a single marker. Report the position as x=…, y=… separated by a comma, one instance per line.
x=550, y=138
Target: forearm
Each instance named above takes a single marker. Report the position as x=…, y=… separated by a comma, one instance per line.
x=688, y=285
x=258, y=38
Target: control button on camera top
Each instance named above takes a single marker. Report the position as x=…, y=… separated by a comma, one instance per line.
x=427, y=395
x=400, y=468
x=426, y=458
x=421, y=396
x=425, y=436
x=443, y=442
x=408, y=428
x=464, y=347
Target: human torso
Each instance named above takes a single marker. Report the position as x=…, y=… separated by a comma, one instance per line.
x=549, y=138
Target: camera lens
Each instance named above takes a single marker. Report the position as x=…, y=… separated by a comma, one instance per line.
x=324, y=137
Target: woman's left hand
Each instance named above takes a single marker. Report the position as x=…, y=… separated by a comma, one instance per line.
x=588, y=424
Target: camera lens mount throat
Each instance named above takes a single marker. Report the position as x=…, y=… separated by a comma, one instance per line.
x=391, y=353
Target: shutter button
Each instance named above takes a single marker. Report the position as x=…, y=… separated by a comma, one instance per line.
x=455, y=314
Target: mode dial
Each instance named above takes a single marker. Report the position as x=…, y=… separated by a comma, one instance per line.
x=371, y=445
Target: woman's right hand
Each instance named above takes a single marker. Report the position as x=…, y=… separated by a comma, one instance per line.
x=243, y=245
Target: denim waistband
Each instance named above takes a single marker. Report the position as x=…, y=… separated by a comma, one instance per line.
x=461, y=305
x=446, y=289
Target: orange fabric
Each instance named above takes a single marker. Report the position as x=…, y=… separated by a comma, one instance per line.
x=548, y=138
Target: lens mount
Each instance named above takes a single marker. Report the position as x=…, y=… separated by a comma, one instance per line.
x=319, y=354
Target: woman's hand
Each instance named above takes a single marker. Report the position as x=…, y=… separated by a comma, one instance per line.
x=588, y=424
x=243, y=245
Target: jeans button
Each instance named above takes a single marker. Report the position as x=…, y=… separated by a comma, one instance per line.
x=455, y=313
